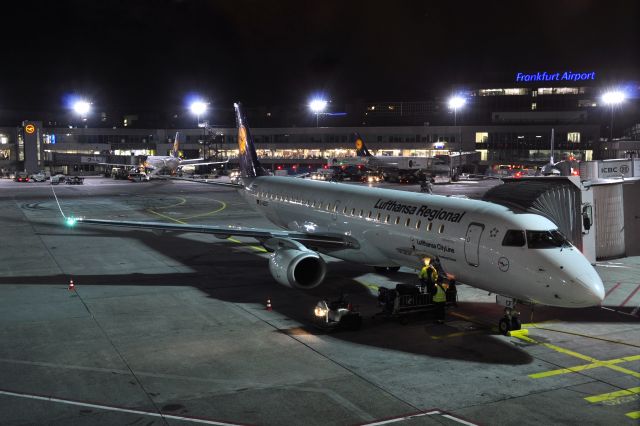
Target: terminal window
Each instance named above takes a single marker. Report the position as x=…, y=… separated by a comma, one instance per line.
x=573, y=137
x=482, y=137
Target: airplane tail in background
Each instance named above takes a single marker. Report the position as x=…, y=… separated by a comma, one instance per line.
x=175, y=152
x=250, y=166
x=361, y=149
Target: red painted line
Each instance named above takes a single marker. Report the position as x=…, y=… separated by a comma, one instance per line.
x=633, y=293
x=611, y=290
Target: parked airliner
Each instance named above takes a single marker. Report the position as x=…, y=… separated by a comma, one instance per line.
x=400, y=169
x=518, y=255
x=169, y=164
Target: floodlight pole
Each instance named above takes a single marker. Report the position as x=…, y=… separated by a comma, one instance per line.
x=611, y=125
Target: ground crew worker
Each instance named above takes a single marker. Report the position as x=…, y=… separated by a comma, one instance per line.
x=440, y=299
x=428, y=275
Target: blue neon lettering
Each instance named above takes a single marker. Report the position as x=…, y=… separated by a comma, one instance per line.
x=565, y=76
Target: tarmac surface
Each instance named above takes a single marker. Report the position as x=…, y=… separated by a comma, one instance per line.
x=170, y=328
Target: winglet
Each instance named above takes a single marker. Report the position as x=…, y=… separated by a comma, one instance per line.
x=361, y=149
x=250, y=166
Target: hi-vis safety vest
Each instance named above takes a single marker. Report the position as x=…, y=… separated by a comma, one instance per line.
x=428, y=273
x=440, y=295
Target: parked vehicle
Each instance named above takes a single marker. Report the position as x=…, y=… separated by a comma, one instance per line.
x=138, y=177
x=119, y=173
x=39, y=177
x=74, y=180
x=59, y=178
x=21, y=177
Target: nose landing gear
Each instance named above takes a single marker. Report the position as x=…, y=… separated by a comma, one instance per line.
x=510, y=321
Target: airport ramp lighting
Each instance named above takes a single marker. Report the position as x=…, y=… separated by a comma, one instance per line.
x=318, y=105
x=613, y=98
x=81, y=107
x=198, y=107
x=456, y=102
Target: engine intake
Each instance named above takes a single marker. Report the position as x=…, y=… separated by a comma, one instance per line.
x=297, y=268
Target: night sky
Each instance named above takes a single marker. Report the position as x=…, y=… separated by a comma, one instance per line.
x=150, y=54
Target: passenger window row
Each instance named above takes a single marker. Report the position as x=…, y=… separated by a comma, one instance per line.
x=346, y=211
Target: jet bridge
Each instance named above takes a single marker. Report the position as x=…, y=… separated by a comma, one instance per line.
x=563, y=200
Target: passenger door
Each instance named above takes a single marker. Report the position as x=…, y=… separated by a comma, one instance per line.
x=472, y=243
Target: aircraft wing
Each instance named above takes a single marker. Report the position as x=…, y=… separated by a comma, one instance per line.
x=119, y=165
x=206, y=181
x=271, y=238
x=200, y=162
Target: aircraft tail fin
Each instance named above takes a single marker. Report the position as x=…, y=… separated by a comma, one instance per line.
x=175, y=152
x=250, y=166
x=361, y=148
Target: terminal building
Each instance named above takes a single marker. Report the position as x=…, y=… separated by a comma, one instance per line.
x=508, y=122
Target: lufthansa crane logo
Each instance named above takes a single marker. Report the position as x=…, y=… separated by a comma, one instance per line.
x=358, y=143
x=242, y=140
x=503, y=264
x=30, y=128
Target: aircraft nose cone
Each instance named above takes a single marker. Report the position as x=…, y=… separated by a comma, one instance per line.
x=592, y=287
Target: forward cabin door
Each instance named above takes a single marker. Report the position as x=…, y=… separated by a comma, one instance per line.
x=472, y=244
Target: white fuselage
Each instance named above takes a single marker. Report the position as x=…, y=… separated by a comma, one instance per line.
x=159, y=164
x=399, y=228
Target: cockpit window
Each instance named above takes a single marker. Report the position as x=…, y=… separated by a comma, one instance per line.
x=513, y=238
x=546, y=240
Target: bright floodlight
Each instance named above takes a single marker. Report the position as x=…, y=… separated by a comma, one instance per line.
x=318, y=105
x=82, y=107
x=613, y=98
x=456, y=102
x=198, y=107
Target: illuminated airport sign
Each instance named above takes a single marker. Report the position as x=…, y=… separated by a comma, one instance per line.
x=555, y=76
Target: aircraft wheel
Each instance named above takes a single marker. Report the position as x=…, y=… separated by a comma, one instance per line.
x=504, y=326
x=387, y=269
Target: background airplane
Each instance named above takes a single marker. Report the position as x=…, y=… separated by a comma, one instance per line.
x=156, y=165
x=397, y=168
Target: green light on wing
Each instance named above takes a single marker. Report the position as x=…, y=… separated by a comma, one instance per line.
x=71, y=221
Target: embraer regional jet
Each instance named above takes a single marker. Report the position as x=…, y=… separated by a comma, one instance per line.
x=169, y=164
x=517, y=255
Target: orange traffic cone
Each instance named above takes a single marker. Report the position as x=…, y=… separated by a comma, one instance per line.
x=72, y=286
x=269, y=304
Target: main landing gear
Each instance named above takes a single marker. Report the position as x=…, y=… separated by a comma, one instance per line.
x=511, y=319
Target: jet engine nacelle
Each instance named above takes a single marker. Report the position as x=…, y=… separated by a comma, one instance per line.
x=303, y=269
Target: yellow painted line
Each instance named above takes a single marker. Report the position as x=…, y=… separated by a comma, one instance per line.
x=256, y=248
x=633, y=414
x=536, y=325
x=167, y=217
x=465, y=317
x=624, y=370
x=458, y=334
x=182, y=201
x=518, y=333
x=369, y=286
x=584, y=357
x=224, y=206
x=584, y=367
x=613, y=395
